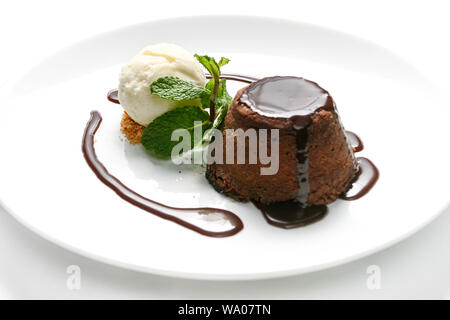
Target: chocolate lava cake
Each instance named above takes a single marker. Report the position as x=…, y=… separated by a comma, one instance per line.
x=316, y=162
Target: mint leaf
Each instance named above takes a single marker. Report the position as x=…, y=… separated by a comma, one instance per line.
x=176, y=89
x=157, y=135
x=210, y=64
x=223, y=61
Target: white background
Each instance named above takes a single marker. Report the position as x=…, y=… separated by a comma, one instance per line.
x=416, y=268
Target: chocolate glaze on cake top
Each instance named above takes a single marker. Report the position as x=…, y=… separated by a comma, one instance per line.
x=287, y=97
x=296, y=99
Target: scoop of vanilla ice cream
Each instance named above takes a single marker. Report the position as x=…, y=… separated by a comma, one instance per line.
x=153, y=62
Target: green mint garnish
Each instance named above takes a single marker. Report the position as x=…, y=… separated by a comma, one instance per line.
x=214, y=69
x=157, y=135
x=176, y=89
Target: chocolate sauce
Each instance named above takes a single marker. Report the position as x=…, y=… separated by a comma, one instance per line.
x=302, y=163
x=287, y=97
x=365, y=179
x=355, y=141
x=296, y=99
x=113, y=96
x=291, y=214
x=212, y=222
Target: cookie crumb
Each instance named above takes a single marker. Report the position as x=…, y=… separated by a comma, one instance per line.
x=131, y=129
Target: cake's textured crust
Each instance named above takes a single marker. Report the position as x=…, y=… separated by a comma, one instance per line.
x=131, y=129
x=331, y=164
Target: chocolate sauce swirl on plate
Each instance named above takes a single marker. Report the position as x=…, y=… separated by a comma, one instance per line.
x=212, y=222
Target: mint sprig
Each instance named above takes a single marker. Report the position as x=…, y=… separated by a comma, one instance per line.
x=214, y=69
x=214, y=96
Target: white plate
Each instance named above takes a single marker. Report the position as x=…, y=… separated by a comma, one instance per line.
x=46, y=184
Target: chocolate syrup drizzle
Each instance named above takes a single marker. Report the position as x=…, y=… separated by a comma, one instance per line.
x=299, y=99
x=365, y=179
x=298, y=105
x=355, y=141
x=113, y=96
x=292, y=214
x=296, y=99
x=212, y=222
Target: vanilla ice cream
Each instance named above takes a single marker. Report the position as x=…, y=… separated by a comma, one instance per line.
x=153, y=62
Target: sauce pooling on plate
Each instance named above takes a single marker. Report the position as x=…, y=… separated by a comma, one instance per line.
x=290, y=214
